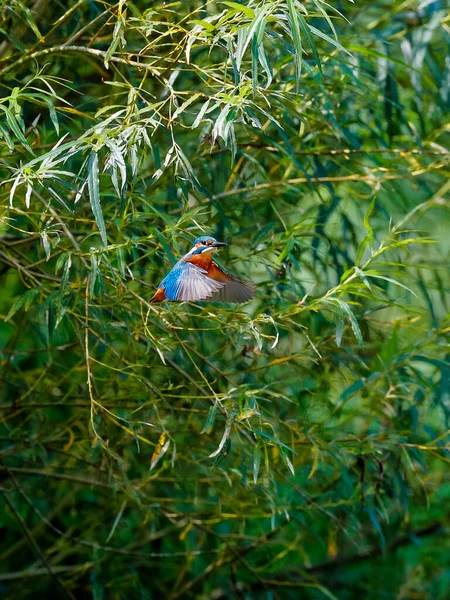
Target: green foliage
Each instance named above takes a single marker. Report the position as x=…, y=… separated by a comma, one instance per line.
x=295, y=445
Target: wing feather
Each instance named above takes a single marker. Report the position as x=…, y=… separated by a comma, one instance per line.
x=234, y=291
x=188, y=282
x=194, y=284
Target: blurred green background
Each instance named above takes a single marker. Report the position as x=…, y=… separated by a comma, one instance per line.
x=293, y=447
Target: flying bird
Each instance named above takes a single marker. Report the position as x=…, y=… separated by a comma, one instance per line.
x=197, y=277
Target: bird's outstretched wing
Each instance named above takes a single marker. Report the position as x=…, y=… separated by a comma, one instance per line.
x=187, y=282
x=233, y=289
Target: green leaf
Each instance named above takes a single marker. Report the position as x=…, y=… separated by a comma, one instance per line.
x=305, y=29
x=329, y=39
x=256, y=461
x=367, y=216
x=339, y=332
x=15, y=128
x=287, y=461
x=296, y=36
x=363, y=278
x=349, y=313
x=373, y=276
x=366, y=241
x=5, y=135
x=248, y=12
x=272, y=439
x=201, y=114
x=210, y=419
x=51, y=318
x=186, y=103
x=246, y=34
x=23, y=301
x=95, y=275
x=46, y=244
x=225, y=436
x=116, y=521
x=352, y=389
x=94, y=195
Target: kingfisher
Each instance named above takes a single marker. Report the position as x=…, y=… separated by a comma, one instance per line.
x=197, y=277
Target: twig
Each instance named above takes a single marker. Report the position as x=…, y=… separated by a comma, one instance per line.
x=78, y=50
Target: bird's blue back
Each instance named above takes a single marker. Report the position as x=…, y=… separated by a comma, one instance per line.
x=171, y=281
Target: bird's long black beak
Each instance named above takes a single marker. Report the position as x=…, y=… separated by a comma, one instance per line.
x=219, y=244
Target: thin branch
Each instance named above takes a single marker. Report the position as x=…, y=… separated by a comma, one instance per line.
x=78, y=50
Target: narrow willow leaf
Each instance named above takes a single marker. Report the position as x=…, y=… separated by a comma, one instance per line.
x=80, y=191
x=256, y=462
x=116, y=521
x=287, y=461
x=94, y=195
x=225, y=436
x=51, y=107
x=225, y=451
x=366, y=241
x=46, y=244
x=255, y=60
x=326, y=16
x=210, y=419
x=329, y=39
x=51, y=319
x=262, y=57
x=28, y=195
x=66, y=272
x=120, y=253
x=185, y=104
x=339, y=332
x=28, y=14
x=315, y=462
x=160, y=450
x=30, y=297
x=203, y=23
x=248, y=12
x=256, y=47
x=305, y=29
x=352, y=389
x=134, y=156
x=118, y=37
x=17, y=181
x=15, y=128
x=219, y=125
x=16, y=306
x=245, y=36
x=94, y=275
x=296, y=36
x=200, y=115
x=391, y=281
x=273, y=439
x=5, y=135
x=353, y=321
x=116, y=161
x=53, y=116
x=363, y=277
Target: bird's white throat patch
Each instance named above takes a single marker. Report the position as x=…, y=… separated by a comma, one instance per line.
x=205, y=249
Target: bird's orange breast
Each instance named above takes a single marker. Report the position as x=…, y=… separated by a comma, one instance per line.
x=200, y=260
x=204, y=261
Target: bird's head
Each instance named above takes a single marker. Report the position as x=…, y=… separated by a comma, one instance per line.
x=205, y=243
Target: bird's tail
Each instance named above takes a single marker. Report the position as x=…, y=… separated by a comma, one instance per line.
x=159, y=296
